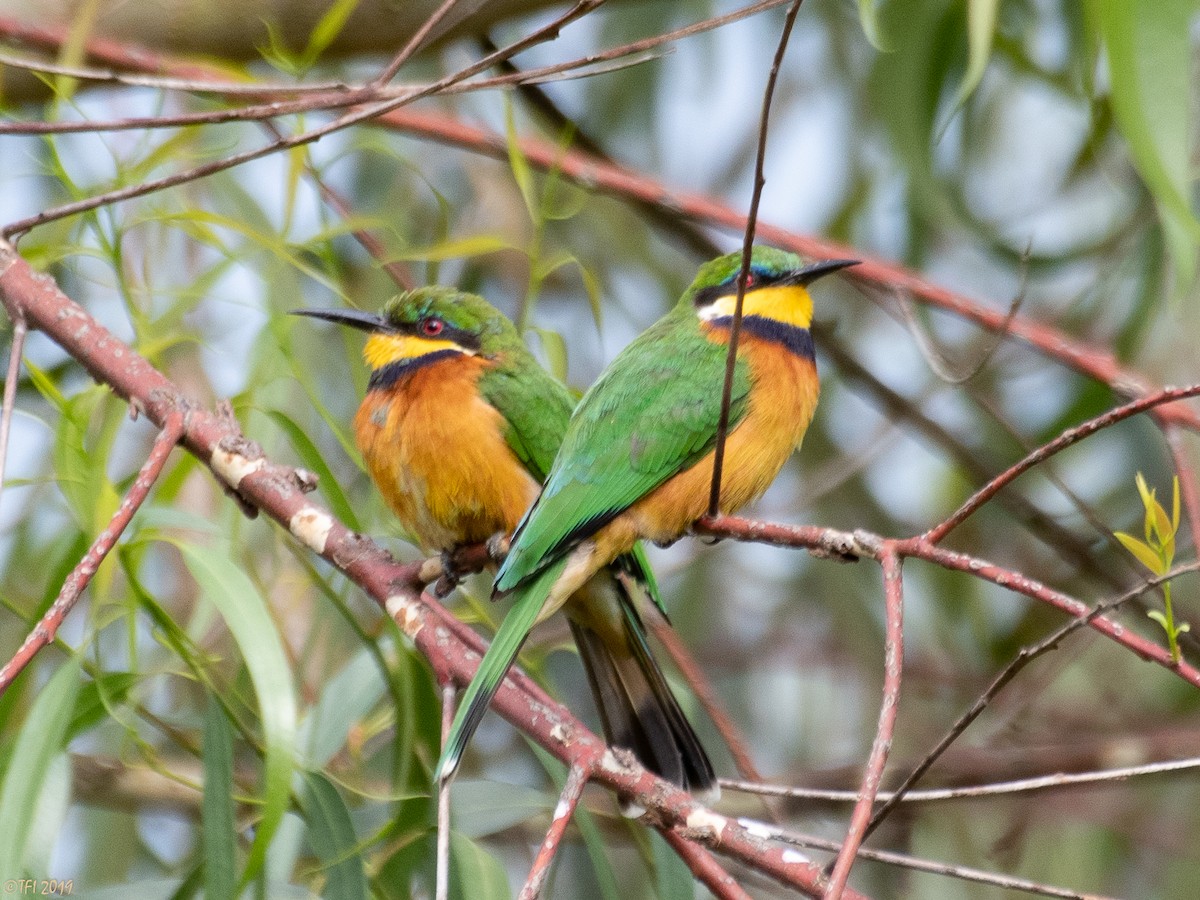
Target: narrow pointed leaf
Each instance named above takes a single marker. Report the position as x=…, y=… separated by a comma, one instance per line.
x=331, y=835
x=229, y=589
x=217, y=829
x=40, y=739
x=1144, y=554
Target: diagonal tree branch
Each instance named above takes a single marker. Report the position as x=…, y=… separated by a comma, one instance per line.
x=452, y=649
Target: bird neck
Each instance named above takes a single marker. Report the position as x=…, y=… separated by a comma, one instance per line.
x=392, y=356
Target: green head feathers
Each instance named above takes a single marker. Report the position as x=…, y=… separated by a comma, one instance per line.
x=769, y=267
x=436, y=313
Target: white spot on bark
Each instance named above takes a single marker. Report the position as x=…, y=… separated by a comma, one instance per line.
x=312, y=526
x=405, y=613
x=706, y=820
x=794, y=858
x=233, y=467
x=757, y=828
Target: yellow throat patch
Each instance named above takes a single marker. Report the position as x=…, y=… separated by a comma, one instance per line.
x=383, y=349
x=790, y=304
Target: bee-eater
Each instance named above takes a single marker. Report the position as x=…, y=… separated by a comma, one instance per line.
x=458, y=429
x=637, y=457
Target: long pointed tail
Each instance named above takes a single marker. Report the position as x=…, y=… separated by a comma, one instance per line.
x=637, y=708
x=493, y=667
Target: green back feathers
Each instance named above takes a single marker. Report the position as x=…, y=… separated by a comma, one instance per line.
x=651, y=414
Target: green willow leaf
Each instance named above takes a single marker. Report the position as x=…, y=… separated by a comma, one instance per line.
x=241, y=605
x=217, y=829
x=1144, y=554
x=331, y=835
x=981, y=26
x=39, y=741
x=1149, y=62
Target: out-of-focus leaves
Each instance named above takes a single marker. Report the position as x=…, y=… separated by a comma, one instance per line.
x=229, y=589
x=217, y=829
x=1150, y=66
x=981, y=26
x=331, y=835
x=40, y=739
x=475, y=874
x=312, y=458
x=486, y=807
x=346, y=698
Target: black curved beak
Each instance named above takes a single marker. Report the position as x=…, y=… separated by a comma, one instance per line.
x=806, y=276
x=354, y=318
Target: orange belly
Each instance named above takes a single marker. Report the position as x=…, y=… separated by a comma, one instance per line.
x=437, y=453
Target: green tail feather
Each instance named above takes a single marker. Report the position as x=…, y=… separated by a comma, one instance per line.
x=494, y=665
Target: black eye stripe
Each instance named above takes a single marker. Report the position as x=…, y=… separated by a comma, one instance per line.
x=465, y=339
x=755, y=280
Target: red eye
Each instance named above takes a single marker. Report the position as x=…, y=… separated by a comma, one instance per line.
x=750, y=279
x=432, y=327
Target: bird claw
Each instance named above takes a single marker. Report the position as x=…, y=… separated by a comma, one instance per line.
x=497, y=546
x=449, y=578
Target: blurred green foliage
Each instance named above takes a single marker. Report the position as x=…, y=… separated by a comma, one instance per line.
x=274, y=733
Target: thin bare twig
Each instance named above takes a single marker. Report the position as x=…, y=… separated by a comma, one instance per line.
x=831, y=542
x=1064, y=440
x=441, y=890
x=45, y=631
x=1024, y=656
x=893, y=592
x=963, y=873
x=414, y=43
x=577, y=779
x=705, y=867
x=10, y=387
x=703, y=689
x=1056, y=781
x=714, y=494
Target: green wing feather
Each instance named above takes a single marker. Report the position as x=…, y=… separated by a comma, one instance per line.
x=535, y=406
x=492, y=669
x=652, y=414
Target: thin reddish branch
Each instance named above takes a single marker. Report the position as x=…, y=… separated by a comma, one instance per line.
x=1060, y=443
x=1189, y=490
x=281, y=493
x=705, y=867
x=611, y=178
x=414, y=43
x=572, y=792
x=72, y=589
x=735, y=326
x=893, y=593
x=831, y=542
x=1024, y=657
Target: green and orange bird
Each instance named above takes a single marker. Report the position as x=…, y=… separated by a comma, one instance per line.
x=458, y=429
x=636, y=461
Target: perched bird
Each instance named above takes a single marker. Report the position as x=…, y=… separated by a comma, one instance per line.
x=458, y=429
x=637, y=458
